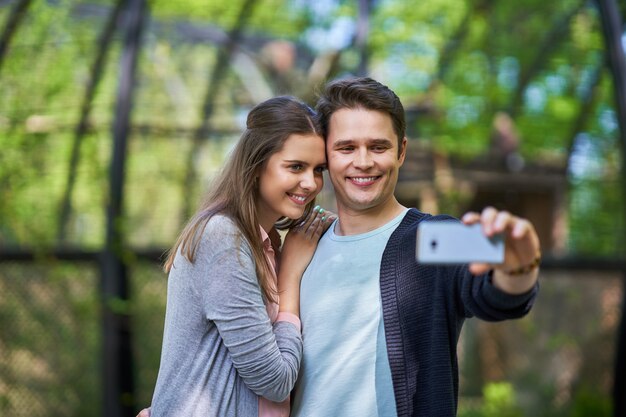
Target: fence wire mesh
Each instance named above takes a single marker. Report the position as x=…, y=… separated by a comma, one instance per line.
x=557, y=358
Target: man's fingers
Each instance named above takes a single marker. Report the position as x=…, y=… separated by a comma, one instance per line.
x=479, y=268
x=502, y=220
x=487, y=219
x=521, y=228
x=471, y=217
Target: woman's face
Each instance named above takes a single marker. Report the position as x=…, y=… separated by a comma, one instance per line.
x=291, y=178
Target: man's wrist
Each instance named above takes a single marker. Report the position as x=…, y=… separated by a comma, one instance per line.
x=525, y=269
x=515, y=284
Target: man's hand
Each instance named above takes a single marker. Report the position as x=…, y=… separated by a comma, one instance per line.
x=522, y=254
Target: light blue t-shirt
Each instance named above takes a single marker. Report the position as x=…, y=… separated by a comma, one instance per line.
x=345, y=369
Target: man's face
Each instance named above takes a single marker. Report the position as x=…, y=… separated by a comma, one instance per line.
x=363, y=158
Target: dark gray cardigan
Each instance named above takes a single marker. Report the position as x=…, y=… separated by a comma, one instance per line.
x=424, y=308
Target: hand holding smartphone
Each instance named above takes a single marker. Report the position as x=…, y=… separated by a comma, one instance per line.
x=456, y=243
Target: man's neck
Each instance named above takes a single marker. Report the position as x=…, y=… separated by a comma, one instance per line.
x=355, y=222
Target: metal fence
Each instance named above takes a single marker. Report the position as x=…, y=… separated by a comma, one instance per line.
x=559, y=358
x=52, y=344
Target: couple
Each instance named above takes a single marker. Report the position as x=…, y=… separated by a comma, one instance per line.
x=354, y=322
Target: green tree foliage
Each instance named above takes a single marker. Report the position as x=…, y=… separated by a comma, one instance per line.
x=498, y=401
x=471, y=59
x=589, y=402
x=456, y=63
x=271, y=17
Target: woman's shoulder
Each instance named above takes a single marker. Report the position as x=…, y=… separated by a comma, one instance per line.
x=220, y=227
x=221, y=231
x=221, y=223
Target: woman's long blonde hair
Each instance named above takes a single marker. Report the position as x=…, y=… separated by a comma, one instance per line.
x=235, y=191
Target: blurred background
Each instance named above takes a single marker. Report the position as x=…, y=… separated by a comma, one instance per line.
x=115, y=115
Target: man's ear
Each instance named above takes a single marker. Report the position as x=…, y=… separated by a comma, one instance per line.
x=402, y=151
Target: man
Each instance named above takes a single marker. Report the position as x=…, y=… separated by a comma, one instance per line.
x=380, y=330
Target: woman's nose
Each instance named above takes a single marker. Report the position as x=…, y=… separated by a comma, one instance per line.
x=307, y=182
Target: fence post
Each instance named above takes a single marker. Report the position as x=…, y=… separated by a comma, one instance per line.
x=119, y=390
x=619, y=384
x=612, y=28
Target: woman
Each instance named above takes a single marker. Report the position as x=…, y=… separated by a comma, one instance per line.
x=231, y=345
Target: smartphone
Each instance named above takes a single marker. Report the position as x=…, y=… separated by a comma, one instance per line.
x=457, y=243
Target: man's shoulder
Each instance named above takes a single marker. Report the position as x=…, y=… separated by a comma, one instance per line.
x=414, y=216
x=409, y=224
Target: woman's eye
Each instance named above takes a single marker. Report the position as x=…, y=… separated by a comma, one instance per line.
x=320, y=169
x=296, y=167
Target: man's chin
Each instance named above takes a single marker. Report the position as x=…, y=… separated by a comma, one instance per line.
x=360, y=204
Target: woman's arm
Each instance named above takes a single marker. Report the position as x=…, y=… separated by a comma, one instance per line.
x=297, y=252
x=266, y=357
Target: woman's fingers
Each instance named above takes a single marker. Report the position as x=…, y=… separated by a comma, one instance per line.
x=304, y=225
x=316, y=223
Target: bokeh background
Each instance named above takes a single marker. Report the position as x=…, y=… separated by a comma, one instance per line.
x=115, y=115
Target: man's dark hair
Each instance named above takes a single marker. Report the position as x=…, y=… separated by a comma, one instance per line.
x=364, y=93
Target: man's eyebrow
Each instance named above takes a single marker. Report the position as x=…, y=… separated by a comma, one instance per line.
x=381, y=141
x=377, y=141
x=343, y=142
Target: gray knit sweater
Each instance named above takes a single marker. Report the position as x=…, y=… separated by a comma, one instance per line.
x=220, y=350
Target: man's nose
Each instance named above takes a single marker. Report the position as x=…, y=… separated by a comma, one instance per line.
x=362, y=159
